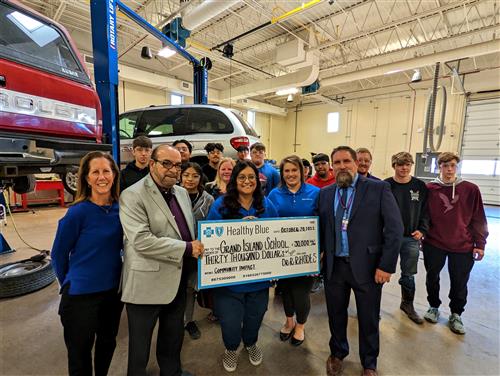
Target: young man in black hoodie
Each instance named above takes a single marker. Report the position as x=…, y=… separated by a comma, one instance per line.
x=139, y=168
x=411, y=195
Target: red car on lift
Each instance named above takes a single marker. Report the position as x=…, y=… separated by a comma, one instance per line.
x=50, y=115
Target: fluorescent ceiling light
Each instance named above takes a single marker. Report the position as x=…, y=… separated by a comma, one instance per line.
x=291, y=90
x=166, y=52
x=394, y=71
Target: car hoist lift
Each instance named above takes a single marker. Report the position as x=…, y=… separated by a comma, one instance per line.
x=105, y=41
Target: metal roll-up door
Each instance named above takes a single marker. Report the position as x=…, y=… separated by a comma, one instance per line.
x=481, y=147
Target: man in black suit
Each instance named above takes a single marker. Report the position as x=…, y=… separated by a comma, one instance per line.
x=360, y=228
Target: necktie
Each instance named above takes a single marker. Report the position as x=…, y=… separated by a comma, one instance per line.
x=339, y=214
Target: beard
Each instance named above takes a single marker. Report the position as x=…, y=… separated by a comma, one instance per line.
x=343, y=179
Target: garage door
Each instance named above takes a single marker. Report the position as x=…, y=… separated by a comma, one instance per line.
x=481, y=148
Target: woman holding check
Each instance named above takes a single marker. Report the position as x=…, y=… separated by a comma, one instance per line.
x=241, y=308
x=294, y=198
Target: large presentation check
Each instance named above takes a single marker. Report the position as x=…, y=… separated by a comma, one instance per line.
x=243, y=251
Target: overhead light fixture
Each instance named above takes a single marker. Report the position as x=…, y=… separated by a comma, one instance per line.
x=289, y=98
x=166, y=52
x=394, y=71
x=417, y=76
x=227, y=51
x=146, y=53
x=290, y=90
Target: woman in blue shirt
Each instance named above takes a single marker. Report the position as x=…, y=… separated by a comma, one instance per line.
x=86, y=257
x=295, y=198
x=241, y=308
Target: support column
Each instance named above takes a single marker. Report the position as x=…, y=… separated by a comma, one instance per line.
x=104, y=43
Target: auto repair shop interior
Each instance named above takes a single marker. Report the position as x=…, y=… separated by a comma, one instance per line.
x=412, y=83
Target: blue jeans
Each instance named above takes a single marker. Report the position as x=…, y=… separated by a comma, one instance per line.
x=409, y=251
x=240, y=315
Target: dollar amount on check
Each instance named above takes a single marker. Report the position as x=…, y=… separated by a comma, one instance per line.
x=243, y=251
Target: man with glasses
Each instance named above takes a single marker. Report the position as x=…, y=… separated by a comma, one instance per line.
x=215, y=153
x=364, y=157
x=324, y=173
x=457, y=232
x=185, y=148
x=138, y=168
x=159, y=230
x=269, y=177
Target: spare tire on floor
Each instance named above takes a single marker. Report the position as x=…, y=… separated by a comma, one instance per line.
x=18, y=278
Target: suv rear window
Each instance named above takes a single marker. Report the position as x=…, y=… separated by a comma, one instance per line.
x=183, y=121
x=247, y=127
x=30, y=41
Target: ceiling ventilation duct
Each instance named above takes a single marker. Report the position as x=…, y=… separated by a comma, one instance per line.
x=291, y=55
x=205, y=12
x=302, y=77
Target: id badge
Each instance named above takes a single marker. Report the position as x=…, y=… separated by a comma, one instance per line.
x=345, y=223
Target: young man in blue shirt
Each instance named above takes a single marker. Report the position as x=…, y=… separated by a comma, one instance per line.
x=268, y=175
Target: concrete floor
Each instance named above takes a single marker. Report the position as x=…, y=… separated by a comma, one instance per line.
x=31, y=341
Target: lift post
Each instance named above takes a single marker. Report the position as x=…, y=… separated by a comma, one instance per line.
x=104, y=42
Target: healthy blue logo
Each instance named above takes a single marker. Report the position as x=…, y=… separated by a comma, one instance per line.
x=208, y=232
x=219, y=230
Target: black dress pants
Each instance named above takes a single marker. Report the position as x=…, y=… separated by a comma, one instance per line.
x=338, y=291
x=459, y=267
x=86, y=319
x=296, y=297
x=142, y=319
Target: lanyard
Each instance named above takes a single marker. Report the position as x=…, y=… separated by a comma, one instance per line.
x=347, y=206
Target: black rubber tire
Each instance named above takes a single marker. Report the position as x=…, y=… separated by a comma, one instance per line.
x=31, y=276
x=24, y=184
x=69, y=179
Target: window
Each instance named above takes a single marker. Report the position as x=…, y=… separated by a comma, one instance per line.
x=176, y=99
x=127, y=125
x=333, y=122
x=28, y=40
x=478, y=167
x=251, y=118
x=183, y=121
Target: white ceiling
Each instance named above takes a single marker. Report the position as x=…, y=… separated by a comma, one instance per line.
x=350, y=35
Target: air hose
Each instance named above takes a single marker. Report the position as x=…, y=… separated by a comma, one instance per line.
x=429, y=117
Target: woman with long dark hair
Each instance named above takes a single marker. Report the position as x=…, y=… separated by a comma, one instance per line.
x=241, y=308
x=294, y=198
x=191, y=176
x=86, y=257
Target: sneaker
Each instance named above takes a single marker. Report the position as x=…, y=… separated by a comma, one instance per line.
x=317, y=285
x=455, y=324
x=255, y=354
x=230, y=360
x=432, y=315
x=193, y=330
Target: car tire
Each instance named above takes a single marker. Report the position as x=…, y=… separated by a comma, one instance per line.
x=70, y=180
x=19, y=278
x=24, y=184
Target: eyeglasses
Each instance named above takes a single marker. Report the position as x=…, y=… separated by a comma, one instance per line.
x=255, y=151
x=243, y=178
x=168, y=164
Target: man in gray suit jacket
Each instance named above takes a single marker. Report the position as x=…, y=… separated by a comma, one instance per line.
x=159, y=232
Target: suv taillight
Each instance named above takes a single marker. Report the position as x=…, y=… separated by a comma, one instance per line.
x=236, y=142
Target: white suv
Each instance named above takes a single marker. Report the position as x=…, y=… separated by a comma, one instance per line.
x=199, y=124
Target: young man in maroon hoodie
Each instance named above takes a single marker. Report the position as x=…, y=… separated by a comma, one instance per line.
x=457, y=231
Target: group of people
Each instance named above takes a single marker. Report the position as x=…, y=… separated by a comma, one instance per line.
x=130, y=239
